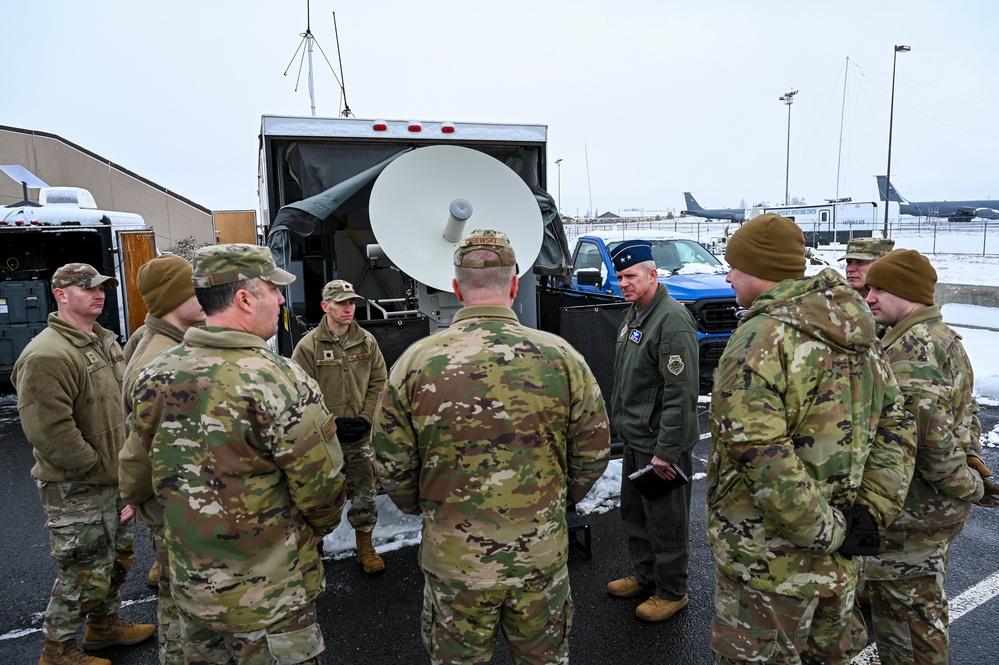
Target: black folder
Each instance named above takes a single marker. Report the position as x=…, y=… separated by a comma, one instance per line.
x=652, y=486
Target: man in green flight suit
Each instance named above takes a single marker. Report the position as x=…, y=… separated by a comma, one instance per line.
x=654, y=411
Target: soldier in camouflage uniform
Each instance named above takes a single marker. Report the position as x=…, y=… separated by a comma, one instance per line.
x=165, y=285
x=654, y=411
x=812, y=452
x=487, y=428
x=906, y=581
x=861, y=253
x=246, y=466
x=68, y=381
x=346, y=362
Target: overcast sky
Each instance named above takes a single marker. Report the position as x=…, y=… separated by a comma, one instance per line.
x=662, y=97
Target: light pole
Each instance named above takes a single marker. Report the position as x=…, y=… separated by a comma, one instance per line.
x=891, y=119
x=788, y=99
x=558, y=163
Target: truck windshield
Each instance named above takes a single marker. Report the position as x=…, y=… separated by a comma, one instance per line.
x=680, y=256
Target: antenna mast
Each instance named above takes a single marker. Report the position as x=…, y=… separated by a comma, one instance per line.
x=308, y=39
x=346, y=112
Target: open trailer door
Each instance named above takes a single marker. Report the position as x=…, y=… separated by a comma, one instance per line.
x=137, y=247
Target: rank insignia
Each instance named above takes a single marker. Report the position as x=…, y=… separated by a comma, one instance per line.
x=635, y=335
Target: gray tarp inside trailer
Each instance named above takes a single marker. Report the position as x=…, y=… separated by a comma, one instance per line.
x=321, y=170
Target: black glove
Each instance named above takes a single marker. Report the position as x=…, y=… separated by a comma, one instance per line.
x=862, y=538
x=351, y=430
x=991, y=497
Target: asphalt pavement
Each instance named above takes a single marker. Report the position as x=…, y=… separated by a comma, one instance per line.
x=375, y=620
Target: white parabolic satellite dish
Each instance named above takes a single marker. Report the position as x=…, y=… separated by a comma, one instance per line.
x=411, y=203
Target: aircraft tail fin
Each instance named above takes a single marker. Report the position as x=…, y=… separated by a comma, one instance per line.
x=692, y=204
x=888, y=193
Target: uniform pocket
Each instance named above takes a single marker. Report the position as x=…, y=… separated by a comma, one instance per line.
x=77, y=536
x=743, y=644
x=297, y=646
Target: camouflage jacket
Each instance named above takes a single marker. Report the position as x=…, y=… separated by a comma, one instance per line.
x=69, y=399
x=135, y=477
x=806, y=419
x=246, y=465
x=486, y=427
x=656, y=379
x=349, y=370
x=937, y=380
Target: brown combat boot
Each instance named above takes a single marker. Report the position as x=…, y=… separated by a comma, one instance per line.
x=153, y=578
x=366, y=554
x=627, y=587
x=658, y=608
x=66, y=653
x=112, y=630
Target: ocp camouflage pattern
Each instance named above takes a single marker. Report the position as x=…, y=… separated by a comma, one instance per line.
x=486, y=428
x=937, y=380
x=247, y=468
x=806, y=420
x=909, y=604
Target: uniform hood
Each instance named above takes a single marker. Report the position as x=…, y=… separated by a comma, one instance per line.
x=824, y=306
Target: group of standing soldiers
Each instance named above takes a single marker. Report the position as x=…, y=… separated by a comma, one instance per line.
x=835, y=456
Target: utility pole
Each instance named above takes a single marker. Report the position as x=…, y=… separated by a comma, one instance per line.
x=788, y=99
x=891, y=120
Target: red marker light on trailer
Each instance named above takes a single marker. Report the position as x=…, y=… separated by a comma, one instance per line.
x=415, y=127
x=447, y=128
x=380, y=126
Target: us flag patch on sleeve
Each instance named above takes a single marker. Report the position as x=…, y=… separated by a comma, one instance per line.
x=329, y=428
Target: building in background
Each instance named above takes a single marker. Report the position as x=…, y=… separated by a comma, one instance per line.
x=175, y=219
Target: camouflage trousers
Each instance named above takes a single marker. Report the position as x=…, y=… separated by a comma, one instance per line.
x=911, y=615
x=92, y=550
x=167, y=614
x=657, y=530
x=760, y=627
x=459, y=626
x=362, y=484
x=297, y=639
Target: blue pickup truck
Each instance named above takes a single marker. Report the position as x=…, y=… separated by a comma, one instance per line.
x=691, y=274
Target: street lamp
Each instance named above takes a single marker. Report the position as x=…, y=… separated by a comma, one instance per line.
x=558, y=163
x=891, y=118
x=788, y=99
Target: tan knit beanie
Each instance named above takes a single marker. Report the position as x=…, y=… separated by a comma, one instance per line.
x=769, y=246
x=165, y=283
x=905, y=273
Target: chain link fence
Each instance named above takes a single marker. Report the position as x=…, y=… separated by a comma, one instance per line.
x=978, y=237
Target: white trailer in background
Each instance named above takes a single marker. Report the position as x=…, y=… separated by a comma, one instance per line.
x=826, y=223
x=65, y=227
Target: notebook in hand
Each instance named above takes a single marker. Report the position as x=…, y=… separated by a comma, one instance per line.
x=648, y=482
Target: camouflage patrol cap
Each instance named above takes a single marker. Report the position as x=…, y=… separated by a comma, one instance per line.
x=235, y=262
x=495, y=241
x=868, y=249
x=80, y=274
x=339, y=290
